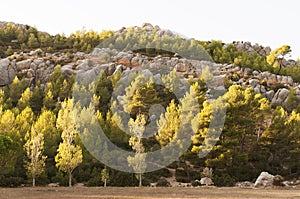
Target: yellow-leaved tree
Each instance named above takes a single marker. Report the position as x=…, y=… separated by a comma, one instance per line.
x=34, y=147
x=137, y=162
x=69, y=154
x=277, y=56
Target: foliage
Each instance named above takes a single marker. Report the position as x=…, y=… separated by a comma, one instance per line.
x=69, y=155
x=256, y=137
x=137, y=128
x=104, y=176
x=276, y=56
x=163, y=183
x=34, y=147
x=17, y=38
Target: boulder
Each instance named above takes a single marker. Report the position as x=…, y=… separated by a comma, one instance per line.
x=245, y=184
x=270, y=94
x=253, y=82
x=53, y=184
x=83, y=66
x=264, y=180
x=255, y=73
x=136, y=61
x=79, y=185
x=157, y=79
x=147, y=74
x=257, y=89
x=25, y=64
x=124, y=58
x=67, y=70
x=147, y=26
x=181, y=67
x=280, y=96
x=111, y=69
x=7, y=72
x=206, y=181
x=290, y=80
x=293, y=183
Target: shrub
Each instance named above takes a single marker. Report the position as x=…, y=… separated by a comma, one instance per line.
x=163, y=183
x=224, y=180
x=196, y=183
x=11, y=181
x=182, y=179
x=94, y=182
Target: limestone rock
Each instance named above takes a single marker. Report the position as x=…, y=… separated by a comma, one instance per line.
x=270, y=94
x=253, y=82
x=206, y=181
x=245, y=184
x=264, y=180
x=53, y=185
x=22, y=65
x=6, y=72
x=280, y=96
x=124, y=58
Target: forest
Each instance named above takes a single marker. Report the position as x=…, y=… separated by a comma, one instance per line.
x=39, y=135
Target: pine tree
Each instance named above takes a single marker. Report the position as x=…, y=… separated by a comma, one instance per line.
x=32, y=41
x=24, y=122
x=8, y=155
x=280, y=142
x=168, y=124
x=48, y=101
x=16, y=89
x=171, y=81
x=36, y=101
x=142, y=99
x=24, y=101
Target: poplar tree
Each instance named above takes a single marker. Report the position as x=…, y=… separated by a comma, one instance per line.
x=34, y=147
x=137, y=162
x=69, y=154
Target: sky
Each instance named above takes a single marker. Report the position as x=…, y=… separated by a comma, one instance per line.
x=267, y=22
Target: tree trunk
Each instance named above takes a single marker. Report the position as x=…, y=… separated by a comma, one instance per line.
x=140, y=177
x=279, y=69
x=70, y=179
x=104, y=182
x=33, y=181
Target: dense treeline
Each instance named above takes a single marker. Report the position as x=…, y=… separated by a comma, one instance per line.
x=19, y=38
x=228, y=54
x=255, y=138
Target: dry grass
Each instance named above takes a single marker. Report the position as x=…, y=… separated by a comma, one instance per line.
x=144, y=193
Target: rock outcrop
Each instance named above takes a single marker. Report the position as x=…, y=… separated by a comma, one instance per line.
x=7, y=71
x=264, y=180
x=206, y=181
x=38, y=66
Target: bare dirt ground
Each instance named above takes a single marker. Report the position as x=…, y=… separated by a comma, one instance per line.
x=144, y=193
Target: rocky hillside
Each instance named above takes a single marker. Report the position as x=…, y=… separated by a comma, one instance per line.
x=38, y=66
x=255, y=133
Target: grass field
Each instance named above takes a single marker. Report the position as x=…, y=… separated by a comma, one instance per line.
x=144, y=193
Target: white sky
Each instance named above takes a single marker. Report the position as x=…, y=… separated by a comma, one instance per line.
x=267, y=22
